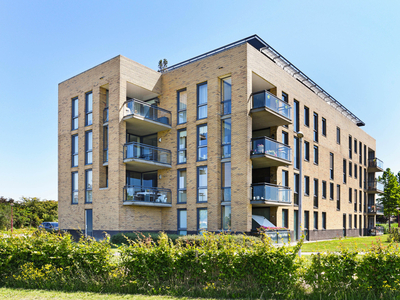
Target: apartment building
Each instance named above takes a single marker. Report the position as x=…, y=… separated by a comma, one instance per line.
x=212, y=144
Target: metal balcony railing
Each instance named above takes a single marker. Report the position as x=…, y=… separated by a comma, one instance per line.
x=266, y=99
x=375, y=163
x=264, y=145
x=270, y=192
x=136, y=150
x=375, y=185
x=150, y=112
x=147, y=194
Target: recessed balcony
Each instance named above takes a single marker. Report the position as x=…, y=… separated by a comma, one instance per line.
x=375, y=165
x=267, y=194
x=375, y=187
x=144, y=158
x=375, y=209
x=147, y=196
x=144, y=119
x=268, y=111
x=267, y=152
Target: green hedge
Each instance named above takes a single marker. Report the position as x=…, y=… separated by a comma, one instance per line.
x=126, y=238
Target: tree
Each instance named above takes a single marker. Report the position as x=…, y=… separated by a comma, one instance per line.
x=162, y=65
x=390, y=198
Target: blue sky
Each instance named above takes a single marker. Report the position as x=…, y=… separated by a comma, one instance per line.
x=350, y=48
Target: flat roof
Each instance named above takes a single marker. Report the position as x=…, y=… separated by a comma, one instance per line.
x=287, y=66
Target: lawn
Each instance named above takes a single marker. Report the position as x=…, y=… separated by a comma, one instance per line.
x=352, y=243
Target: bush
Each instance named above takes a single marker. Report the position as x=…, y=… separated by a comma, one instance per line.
x=394, y=235
x=127, y=238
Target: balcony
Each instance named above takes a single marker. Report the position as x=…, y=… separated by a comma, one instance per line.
x=268, y=111
x=375, y=165
x=375, y=187
x=375, y=209
x=147, y=196
x=266, y=194
x=144, y=119
x=267, y=152
x=145, y=158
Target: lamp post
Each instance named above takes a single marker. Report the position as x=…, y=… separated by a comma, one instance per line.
x=12, y=217
x=300, y=137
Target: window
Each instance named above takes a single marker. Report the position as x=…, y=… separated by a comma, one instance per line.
x=296, y=116
x=315, y=127
x=285, y=218
x=182, y=144
x=306, y=185
x=350, y=195
x=226, y=138
x=315, y=193
x=226, y=181
x=75, y=149
x=285, y=97
x=355, y=221
x=182, y=221
x=182, y=186
x=360, y=153
x=296, y=152
x=323, y=189
x=306, y=116
x=323, y=126
x=365, y=155
x=88, y=108
x=75, y=113
x=74, y=187
x=285, y=178
x=202, y=142
x=360, y=177
x=355, y=171
x=88, y=147
x=88, y=186
x=316, y=155
x=105, y=144
x=355, y=200
x=350, y=147
x=202, y=101
x=355, y=145
x=331, y=191
x=226, y=217
x=365, y=179
x=315, y=220
x=226, y=95
x=182, y=105
x=285, y=138
x=338, y=135
x=338, y=197
x=201, y=219
x=350, y=168
x=202, y=184
x=324, y=220
x=350, y=221
x=306, y=151
x=344, y=171
x=331, y=165
x=296, y=189
x=360, y=201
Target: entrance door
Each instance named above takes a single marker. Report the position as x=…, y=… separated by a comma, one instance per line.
x=306, y=225
x=296, y=223
x=344, y=225
x=88, y=222
x=371, y=222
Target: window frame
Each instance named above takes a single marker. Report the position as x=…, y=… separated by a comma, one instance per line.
x=223, y=144
x=331, y=191
x=350, y=147
x=306, y=151
x=338, y=204
x=223, y=175
x=179, y=110
x=338, y=135
x=88, y=188
x=323, y=125
x=323, y=221
x=316, y=192
x=323, y=189
x=74, y=189
x=306, y=185
x=285, y=218
x=316, y=155
x=198, y=99
x=179, y=228
x=74, y=145
x=344, y=171
x=198, y=219
x=331, y=166
x=315, y=219
x=181, y=149
x=74, y=114
x=223, y=102
x=205, y=187
x=88, y=151
x=315, y=117
x=306, y=116
x=198, y=142
x=296, y=116
x=87, y=111
x=179, y=188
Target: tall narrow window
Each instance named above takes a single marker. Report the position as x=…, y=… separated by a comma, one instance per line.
x=226, y=181
x=331, y=165
x=306, y=185
x=105, y=144
x=75, y=113
x=350, y=147
x=75, y=149
x=306, y=151
x=324, y=220
x=202, y=219
x=202, y=101
x=355, y=221
x=226, y=95
x=226, y=138
x=202, y=142
x=331, y=191
x=315, y=127
x=182, y=221
x=315, y=220
x=338, y=135
x=365, y=179
x=350, y=169
x=306, y=116
x=88, y=108
x=355, y=145
x=285, y=218
x=88, y=147
x=285, y=178
x=323, y=189
x=88, y=186
x=74, y=187
x=226, y=217
x=355, y=201
x=296, y=116
x=296, y=189
x=350, y=195
x=315, y=193
x=323, y=126
x=285, y=138
x=350, y=221
x=365, y=155
x=285, y=98
x=296, y=151
x=202, y=184
x=338, y=197
x=182, y=186
x=355, y=171
x=360, y=177
x=344, y=171
x=182, y=144
x=182, y=104
x=316, y=159
x=360, y=202
x=360, y=153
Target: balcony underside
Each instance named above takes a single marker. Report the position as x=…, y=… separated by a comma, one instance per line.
x=375, y=169
x=139, y=125
x=143, y=165
x=265, y=203
x=374, y=191
x=147, y=203
x=266, y=160
x=378, y=213
x=265, y=117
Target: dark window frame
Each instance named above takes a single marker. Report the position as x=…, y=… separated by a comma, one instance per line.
x=226, y=102
x=87, y=187
x=296, y=116
x=223, y=143
x=201, y=187
x=323, y=189
x=73, y=187
x=179, y=188
x=179, y=228
x=179, y=110
x=306, y=151
x=337, y=135
x=316, y=155
x=198, y=217
x=87, y=111
x=198, y=98
x=306, y=185
x=198, y=141
x=88, y=151
x=74, y=139
x=315, y=117
x=75, y=114
x=181, y=149
x=323, y=125
x=306, y=116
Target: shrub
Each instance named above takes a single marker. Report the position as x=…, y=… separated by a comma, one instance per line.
x=394, y=235
x=125, y=238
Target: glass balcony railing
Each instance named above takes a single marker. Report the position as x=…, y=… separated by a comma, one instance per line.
x=133, y=193
x=270, y=192
x=375, y=209
x=266, y=99
x=105, y=115
x=375, y=185
x=375, y=163
x=147, y=111
x=264, y=145
x=136, y=150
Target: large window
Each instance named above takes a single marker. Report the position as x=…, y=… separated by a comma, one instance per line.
x=202, y=142
x=315, y=193
x=331, y=166
x=88, y=186
x=316, y=159
x=182, y=144
x=202, y=184
x=323, y=189
x=182, y=186
x=201, y=219
x=226, y=138
x=306, y=116
x=75, y=113
x=88, y=147
x=338, y=135
x=74, y=187
x=226, y=217
x=226, y=181
x=182, y=221
x=306, y=151
x=306, y=185
x=296, y=152
x=202, y=101
x=315, y=127
x=323, y=126
x=226, y=95
x=182, y=104
x=344, y=171
x=296, y=116
x=88, y=109
x=285, y=218
x=75, y=149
